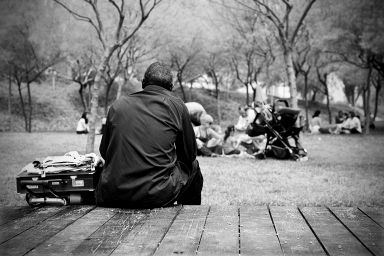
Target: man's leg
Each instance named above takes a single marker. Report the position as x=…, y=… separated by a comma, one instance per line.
x=190, y=194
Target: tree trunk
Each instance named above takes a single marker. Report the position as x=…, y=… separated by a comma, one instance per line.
x=328, y=105
x=95, y=99
x=109, y=85
x=82, y=97
x=378, y=88
x=9, y=95
x=180, y=80
x=23, y=107
x=218, y=103
x=247, y=91
x=30, y=108
x=367, y=111
x=190, y=93
x=291, y=75
x=10, y=102
x=306, y=102
x=89, y=96
x=314, y=96
x=119, y=88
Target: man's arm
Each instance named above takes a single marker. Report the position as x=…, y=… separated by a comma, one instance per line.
x=186, y=147
x=106, y=138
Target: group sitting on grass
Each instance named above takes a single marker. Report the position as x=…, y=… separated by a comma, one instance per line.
x=234, y=142
x=346, y=123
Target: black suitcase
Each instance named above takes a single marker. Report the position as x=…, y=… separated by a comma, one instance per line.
x=59, y=188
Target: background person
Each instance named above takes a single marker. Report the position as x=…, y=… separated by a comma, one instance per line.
x=247, y=115
x=344, y=126
x=351, y=125
x=316, y=124
x=355, y=124
x=230, y=143
x=82, y=124
x=339, y=119
x=208, y=140
x=196, y=111
x=149, y=148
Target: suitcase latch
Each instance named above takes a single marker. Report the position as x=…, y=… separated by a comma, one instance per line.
x=77, y=183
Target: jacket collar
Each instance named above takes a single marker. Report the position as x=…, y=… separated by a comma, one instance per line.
x=155, y=88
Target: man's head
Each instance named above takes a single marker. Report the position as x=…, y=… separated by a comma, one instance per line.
x=351, y=114
x=158, y=74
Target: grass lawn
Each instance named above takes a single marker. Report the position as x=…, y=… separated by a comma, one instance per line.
x=342, y=170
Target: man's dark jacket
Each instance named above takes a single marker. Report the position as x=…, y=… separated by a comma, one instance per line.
x=148, y=147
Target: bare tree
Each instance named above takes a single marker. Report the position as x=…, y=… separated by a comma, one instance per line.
x=181, y=59
x=215, y=66
x=302, y=65
x=110, y=43
x=26, y=65
x=279, y=14
x=251, y=52
x=377, y=83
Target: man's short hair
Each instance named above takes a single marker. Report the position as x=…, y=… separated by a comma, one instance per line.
x=158, y=74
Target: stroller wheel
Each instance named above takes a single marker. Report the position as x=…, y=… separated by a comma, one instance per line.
x=295, y=157
x=261, y=156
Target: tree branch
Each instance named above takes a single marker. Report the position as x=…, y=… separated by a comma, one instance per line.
x=84, y=18
x=301, y=20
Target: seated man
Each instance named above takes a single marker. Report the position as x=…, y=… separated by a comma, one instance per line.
x=149, y=148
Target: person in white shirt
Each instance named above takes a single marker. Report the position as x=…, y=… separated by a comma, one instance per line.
x=247, y=115
x=82, y=125
x=355, y=124
x=351, y=124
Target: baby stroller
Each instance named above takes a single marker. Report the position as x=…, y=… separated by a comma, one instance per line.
x=282, y=135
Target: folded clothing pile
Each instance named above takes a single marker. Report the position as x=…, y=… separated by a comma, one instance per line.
x=70, y=162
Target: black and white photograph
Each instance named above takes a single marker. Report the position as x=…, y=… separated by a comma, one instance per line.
x=191, y=127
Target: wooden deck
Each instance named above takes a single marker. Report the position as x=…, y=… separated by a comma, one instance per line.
x=191, y=230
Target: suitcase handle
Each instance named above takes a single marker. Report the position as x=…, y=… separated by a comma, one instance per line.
x=23, y=183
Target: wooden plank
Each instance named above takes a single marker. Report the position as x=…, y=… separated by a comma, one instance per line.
x=367, y=231
x=105, y=240
x=221, y=232
x=257, y=235
x=144, y=239
x=184, y=235
x=19, y=225
x=336, y=239
x=31, y=238
x=295, y=236
x=376, y=214
x=69, y=238
x=9, y=213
